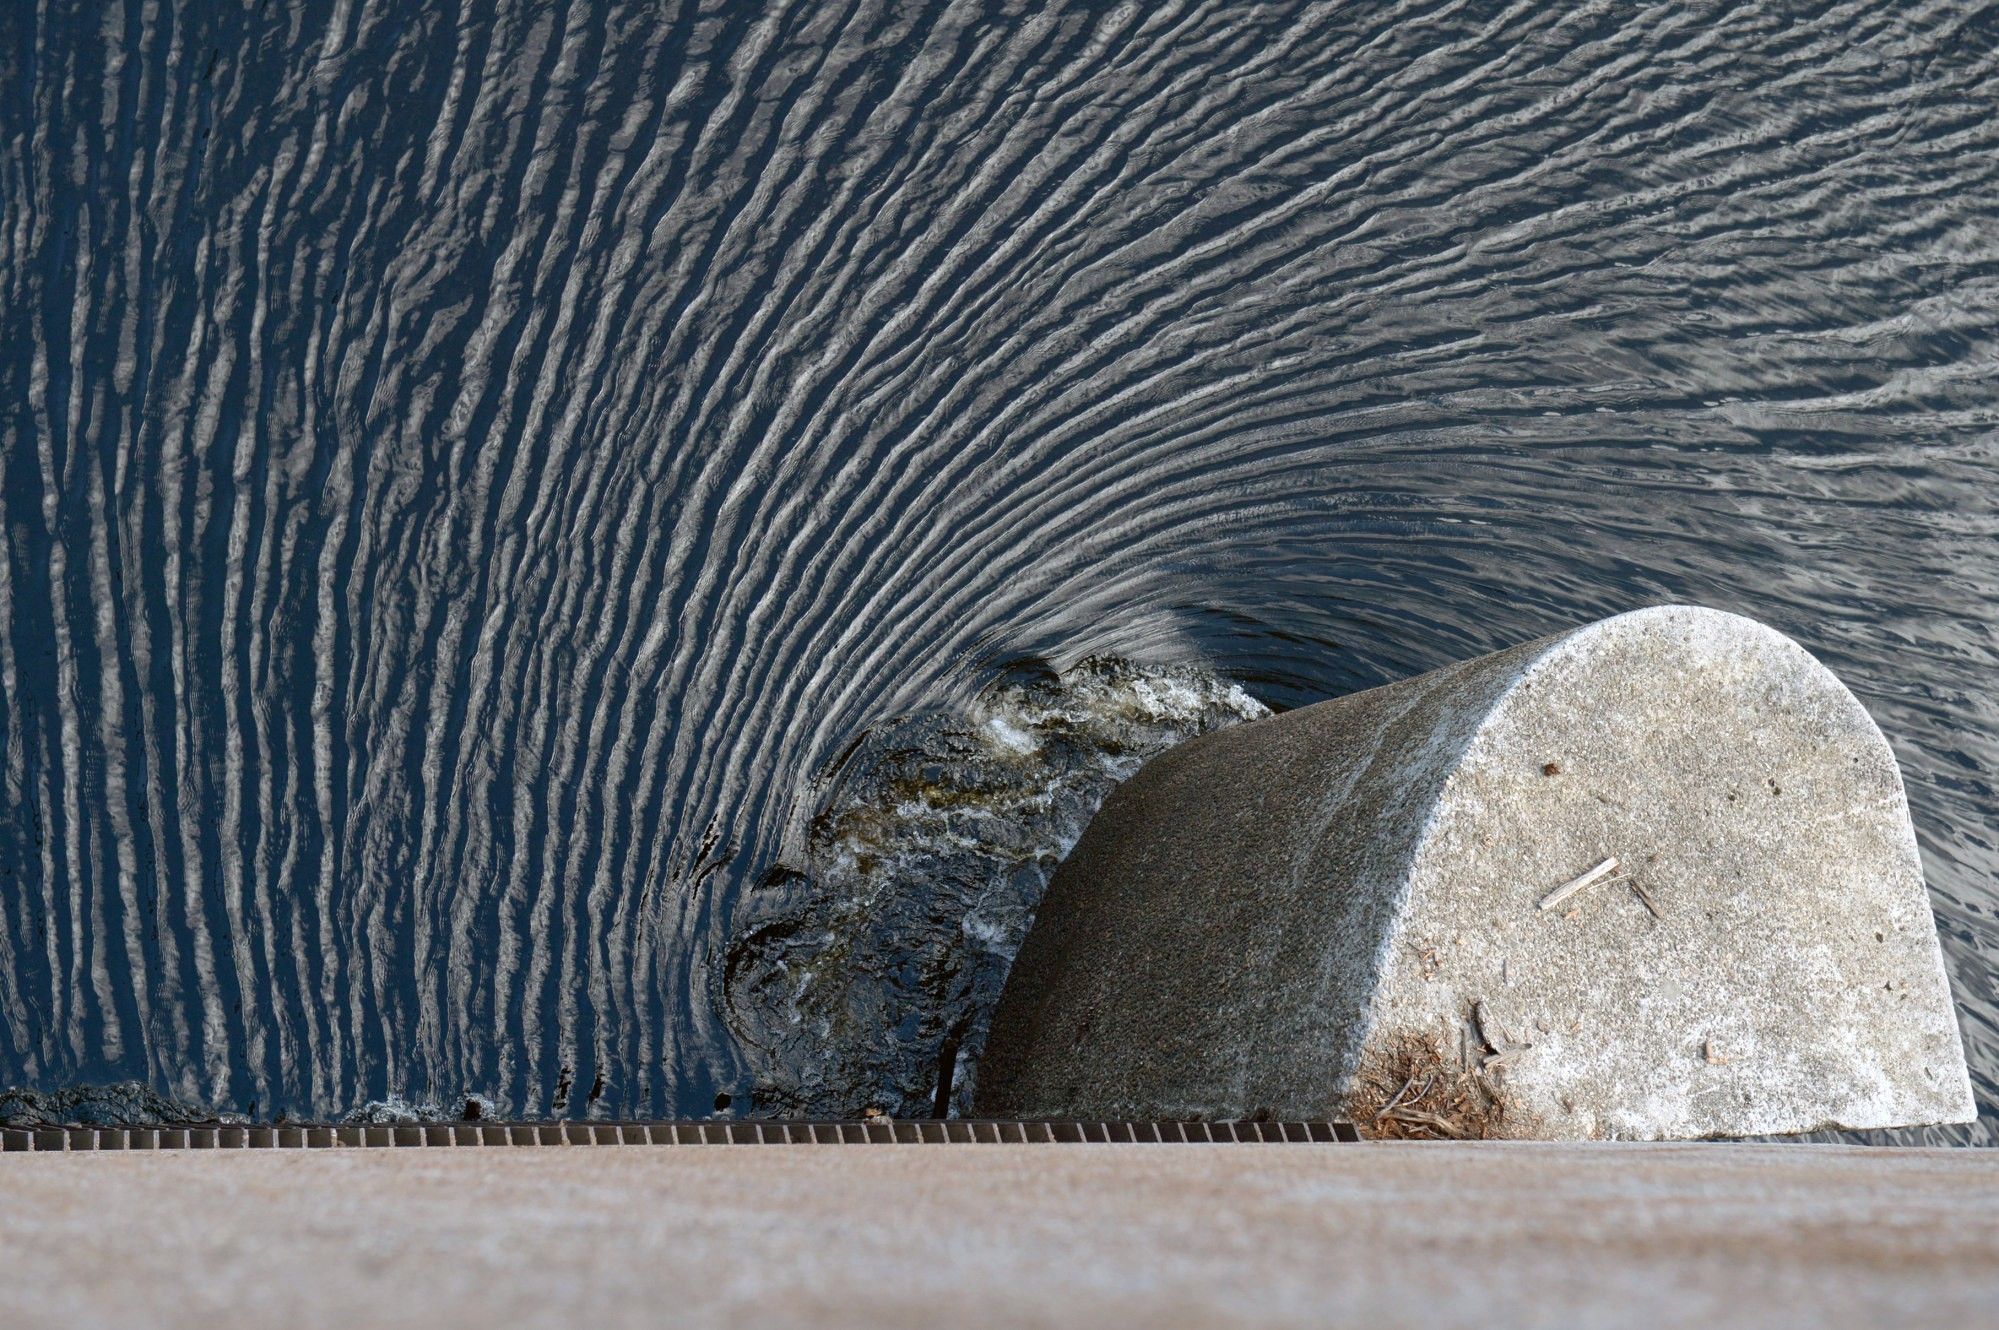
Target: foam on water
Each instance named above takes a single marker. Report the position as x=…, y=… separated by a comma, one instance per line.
x=866, y=976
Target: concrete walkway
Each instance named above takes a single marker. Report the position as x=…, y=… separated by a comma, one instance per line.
x=1390, y=1235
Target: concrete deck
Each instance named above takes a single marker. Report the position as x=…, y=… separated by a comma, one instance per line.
x=1381, y=1235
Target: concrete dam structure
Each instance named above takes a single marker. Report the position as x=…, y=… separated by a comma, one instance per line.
x=1653, y=878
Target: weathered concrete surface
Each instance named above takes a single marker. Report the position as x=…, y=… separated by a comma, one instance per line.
x=1431, y=1235
x=1305, y=914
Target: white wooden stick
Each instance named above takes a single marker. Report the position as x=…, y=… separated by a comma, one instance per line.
x=1589, y=879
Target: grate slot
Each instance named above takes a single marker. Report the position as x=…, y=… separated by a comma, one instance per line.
x=875, y=1131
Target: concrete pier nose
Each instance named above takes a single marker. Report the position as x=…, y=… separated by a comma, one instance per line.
x=1653, y=878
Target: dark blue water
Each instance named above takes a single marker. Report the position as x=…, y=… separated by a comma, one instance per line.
x=473, y=474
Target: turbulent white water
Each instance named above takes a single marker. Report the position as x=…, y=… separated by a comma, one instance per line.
x=865, y=977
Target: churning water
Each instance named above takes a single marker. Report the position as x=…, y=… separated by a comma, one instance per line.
x=542, y=538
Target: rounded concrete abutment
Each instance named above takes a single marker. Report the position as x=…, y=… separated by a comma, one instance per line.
x=1652, y=878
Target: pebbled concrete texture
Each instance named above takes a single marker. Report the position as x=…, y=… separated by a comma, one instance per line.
x=1337, y=911
x=1436, y=1235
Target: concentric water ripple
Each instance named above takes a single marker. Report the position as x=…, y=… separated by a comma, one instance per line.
x=470, y=471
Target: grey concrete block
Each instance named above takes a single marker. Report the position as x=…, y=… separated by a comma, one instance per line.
x=1340, y=910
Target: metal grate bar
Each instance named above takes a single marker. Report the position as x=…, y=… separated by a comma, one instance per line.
x=286, y=1136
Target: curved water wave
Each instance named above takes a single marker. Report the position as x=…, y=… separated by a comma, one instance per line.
x=466, y=466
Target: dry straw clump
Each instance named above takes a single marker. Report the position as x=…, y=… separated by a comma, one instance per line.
x=1421, y=1092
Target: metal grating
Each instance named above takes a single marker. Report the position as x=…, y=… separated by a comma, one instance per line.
x=306, y=1137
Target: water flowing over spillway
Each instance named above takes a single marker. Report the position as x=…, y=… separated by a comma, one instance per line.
x=475, y=477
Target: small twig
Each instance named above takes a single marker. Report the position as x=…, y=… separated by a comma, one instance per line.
x=1430, y=1120
x=1389, y=1107
x=1570, y=888
x=1645, y=898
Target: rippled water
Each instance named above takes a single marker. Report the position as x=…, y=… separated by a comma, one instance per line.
x=471, y=474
